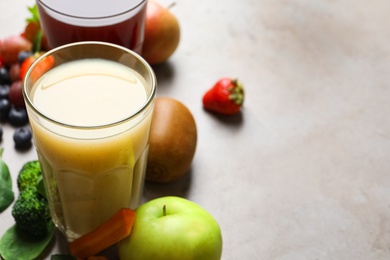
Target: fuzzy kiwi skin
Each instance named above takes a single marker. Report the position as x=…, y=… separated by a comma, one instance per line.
x=172, y=143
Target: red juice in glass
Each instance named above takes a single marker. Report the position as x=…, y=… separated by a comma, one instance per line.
x=120, y=22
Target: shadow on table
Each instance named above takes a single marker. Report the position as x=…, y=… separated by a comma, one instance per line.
x=235, y=121
x=165, y=72
x=180, y=188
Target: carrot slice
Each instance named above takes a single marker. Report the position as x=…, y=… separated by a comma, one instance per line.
x=110, y=232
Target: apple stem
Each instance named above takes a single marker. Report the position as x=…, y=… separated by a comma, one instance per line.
x=171, y=5
x=164, y=210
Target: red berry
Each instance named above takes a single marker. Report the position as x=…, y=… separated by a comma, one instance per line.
x=225, y=97
x=31, y=30
x=16, y=95
x=14, y=72
x=11, y=46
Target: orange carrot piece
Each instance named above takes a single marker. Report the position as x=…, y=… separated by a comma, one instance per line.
x=110, y=232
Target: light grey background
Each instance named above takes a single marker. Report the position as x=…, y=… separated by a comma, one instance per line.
x=304, y=171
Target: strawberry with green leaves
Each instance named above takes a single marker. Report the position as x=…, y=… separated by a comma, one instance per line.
x=33, y=31
x=225, y=97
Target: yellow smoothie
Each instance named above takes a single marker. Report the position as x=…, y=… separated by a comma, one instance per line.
x=91, y=170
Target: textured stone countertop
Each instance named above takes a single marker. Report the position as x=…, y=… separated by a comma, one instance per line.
x=304, y=171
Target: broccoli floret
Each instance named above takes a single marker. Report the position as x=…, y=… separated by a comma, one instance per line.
x=31, y=212
x=29, y=175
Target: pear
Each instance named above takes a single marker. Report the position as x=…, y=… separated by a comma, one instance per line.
x=162, y=33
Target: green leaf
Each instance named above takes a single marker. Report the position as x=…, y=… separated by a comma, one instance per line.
x=5, y=176
x=18, y=245
x=34, y=14
x=37, y=42
x=41, y=187
x=6, y=197
x=6, y=194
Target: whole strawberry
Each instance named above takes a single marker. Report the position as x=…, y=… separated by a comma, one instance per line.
x=225, y=97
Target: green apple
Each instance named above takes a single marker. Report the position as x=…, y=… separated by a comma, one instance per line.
x=172, y=228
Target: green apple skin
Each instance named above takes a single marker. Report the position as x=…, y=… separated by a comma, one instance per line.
x=186, y=231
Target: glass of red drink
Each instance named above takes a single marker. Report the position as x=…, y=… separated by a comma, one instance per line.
x=120, y=22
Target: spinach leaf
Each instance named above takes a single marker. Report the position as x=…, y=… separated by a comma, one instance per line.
x=6, y=197
x=16, y=244
x=6, y=194
x=41, y=187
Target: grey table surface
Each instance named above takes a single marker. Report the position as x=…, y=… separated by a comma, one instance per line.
x=304, y=171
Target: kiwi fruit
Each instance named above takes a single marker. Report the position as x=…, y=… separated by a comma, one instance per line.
x=172, y=143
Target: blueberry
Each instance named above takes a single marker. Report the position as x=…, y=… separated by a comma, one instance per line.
x=24, y=55
x=22, y=138
x=5, y=107
x=4, y=90
x=17, y=116
x=4, y=76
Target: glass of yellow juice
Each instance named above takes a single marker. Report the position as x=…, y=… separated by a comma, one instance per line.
x=90, y=106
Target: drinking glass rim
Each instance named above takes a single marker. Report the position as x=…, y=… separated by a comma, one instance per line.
x=142, y=108
x=92, y=18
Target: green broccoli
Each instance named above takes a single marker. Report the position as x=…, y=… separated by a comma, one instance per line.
x=29, y=175
x=31, y=212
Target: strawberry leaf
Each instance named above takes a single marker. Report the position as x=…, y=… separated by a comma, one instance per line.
x=34, y=14
x=37, y=42
x=237, y=92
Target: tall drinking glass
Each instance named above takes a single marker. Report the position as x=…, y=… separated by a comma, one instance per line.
x=120, y=22
x=90, y=106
